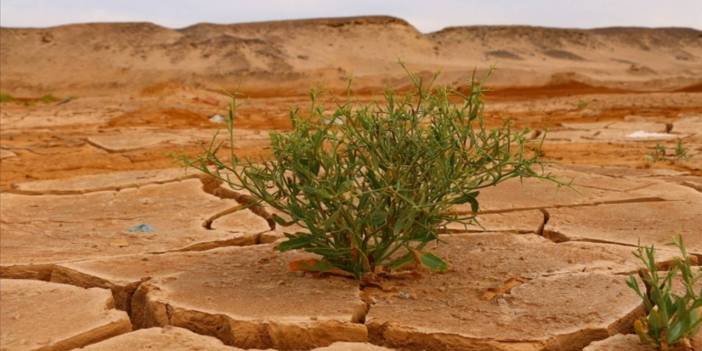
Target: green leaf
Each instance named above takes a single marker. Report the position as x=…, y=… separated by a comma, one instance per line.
x=318, y=266
x=279, y=220
x=320, y=192
x=377, y=218
x=296, y=211
x=402, y=261
x=465, y=197
x=296, y=241
x=675, y=332
x=433, y=262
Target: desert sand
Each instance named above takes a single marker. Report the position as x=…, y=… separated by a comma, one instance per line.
x=106, y=243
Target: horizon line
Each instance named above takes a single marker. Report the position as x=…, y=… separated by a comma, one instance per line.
x=343, y=18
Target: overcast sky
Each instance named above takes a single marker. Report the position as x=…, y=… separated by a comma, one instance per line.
x=426, y=15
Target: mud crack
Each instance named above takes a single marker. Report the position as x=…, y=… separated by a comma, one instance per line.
x=588, y=204
x=213, y=187
x=547, y=216
x=16, y=191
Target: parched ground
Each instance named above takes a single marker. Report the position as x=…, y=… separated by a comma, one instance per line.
x=544, y=270
x=106, y=243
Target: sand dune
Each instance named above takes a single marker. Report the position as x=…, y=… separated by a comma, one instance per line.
x=286, y=57
x=92, y=197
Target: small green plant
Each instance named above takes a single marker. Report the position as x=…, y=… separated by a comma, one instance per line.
x=681, y=151
x=372, y=185
x=660, y=153
x=5, y=97
x=671, y=318
x=582, y=104
x=657, y=154
x=47, y=99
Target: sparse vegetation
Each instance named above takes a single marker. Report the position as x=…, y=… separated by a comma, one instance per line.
x=660, y=153
x=657, y=154
x=671, y=317
x=582, y=104
x=5, y=97
x=372, y=185
x=681, y=151
x=47, y=99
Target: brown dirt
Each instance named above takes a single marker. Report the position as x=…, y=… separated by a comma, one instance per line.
x=41, y=315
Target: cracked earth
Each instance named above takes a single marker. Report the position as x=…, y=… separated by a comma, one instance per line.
x=544, y=269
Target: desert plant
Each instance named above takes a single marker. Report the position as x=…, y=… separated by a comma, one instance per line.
x=47, y=99
x=372, y=185
x=671, y=318
x=5, y=97
x=657, y=154
x=681, y=151
x=660, y=153
x=582, y=104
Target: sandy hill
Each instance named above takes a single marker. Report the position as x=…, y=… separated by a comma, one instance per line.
x=287, y=57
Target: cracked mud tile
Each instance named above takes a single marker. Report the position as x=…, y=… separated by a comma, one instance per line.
x=628, y=224
x=47, y=229
x=49, y=316
x=245, y=296
x=102, y=182
x=352, y=346
x=508, y=292
x=630, y=342
x=127, y=139
x=135, y=139
x=517, y=221
x=168, y=338
x=669, y=191
x=179, y=339
x=534, y=193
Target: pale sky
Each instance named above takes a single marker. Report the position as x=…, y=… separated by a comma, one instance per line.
x=426, y=15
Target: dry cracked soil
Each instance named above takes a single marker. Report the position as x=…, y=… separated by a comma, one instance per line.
x=107, y=244
x=543, y=269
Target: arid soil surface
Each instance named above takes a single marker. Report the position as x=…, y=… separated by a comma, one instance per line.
x=106, y=243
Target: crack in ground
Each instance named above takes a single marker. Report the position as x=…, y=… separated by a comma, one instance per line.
x=451, y=231
x=547, y=217
x=126, y=294
x=99, y=189
x=588, y=204
x=121, y=293
x=98, y=146
x=207, y=224
x=413, y=339
x=692, y=185
x=212, y=186
x=257, y=239
x=558, y=237
x=56, y=273
x=151, y=311
x=63, y=221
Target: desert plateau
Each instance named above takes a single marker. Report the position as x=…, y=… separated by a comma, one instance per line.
x=108, y=242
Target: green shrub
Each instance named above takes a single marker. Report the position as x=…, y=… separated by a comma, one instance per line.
x=671, y=318
x=373, y=185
